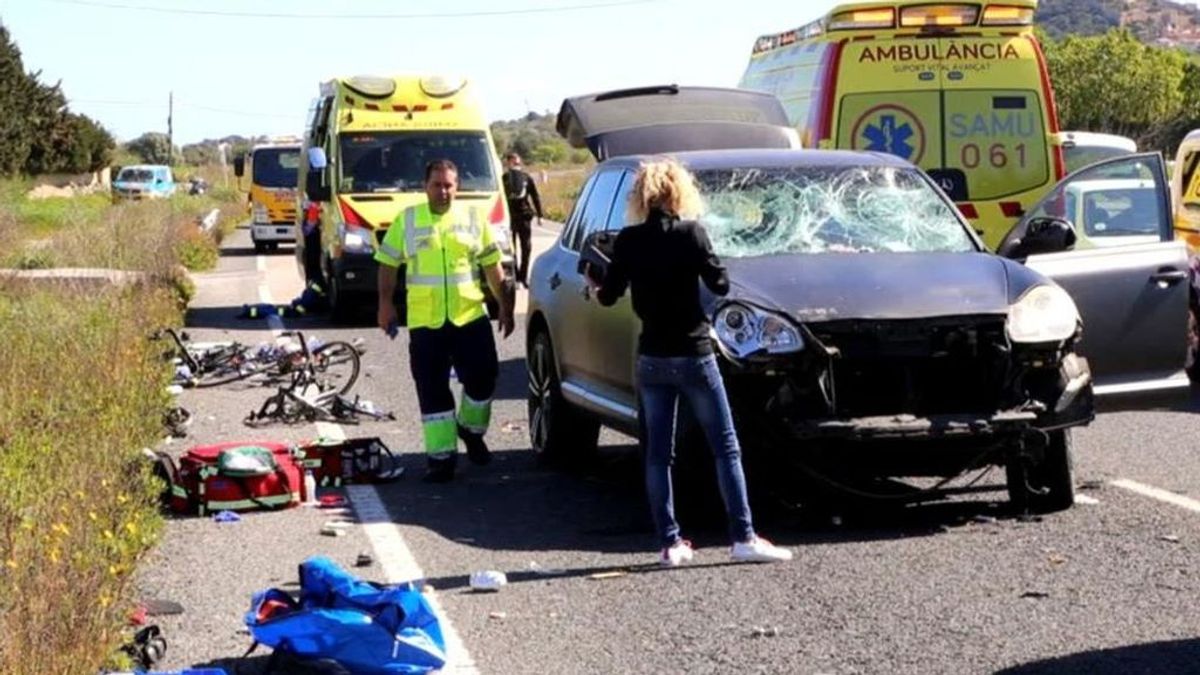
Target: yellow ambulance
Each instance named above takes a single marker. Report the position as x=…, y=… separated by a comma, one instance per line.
x=959, y=89
x=1185, y=191
x=274, y=167
x=376, y=135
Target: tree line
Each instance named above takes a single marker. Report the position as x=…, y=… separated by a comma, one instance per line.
x=38, y=134
x=1115, y=83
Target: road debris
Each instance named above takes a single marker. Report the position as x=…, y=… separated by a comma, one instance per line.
x=761, y=632
x=545, y=571
x=488, y=580
x=498, y=615
x=1035, y=594
x=608, y=575
x=336, y=528
x=1173, y=538
x=226, y=517
x=364, y=559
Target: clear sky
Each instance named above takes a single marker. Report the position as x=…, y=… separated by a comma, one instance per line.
x=235, y=70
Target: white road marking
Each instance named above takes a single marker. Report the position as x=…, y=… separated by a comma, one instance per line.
x=1086, y=500
x=260, y=262
x=1159, y=494
x=399, y=565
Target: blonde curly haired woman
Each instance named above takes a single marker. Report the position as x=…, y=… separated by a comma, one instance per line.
x=662, y=260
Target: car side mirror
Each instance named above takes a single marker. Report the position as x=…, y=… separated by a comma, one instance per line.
x=314, y=188
x=1041, y=235
x=239, y=166
x=597, y=253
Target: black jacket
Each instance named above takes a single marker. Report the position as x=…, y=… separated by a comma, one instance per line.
x=663, y=261
x=522, y=194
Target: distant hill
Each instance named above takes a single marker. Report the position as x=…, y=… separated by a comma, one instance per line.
x=1158, y=22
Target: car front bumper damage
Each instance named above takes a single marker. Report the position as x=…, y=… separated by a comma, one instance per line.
x=909, y=398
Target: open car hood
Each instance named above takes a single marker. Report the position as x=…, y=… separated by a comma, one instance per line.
x=670, y=118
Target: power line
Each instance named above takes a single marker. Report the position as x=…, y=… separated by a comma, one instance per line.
x=184, y=104
x=434, y=15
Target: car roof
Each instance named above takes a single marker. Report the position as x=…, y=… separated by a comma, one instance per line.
x=701, y=160
x=1093, y=138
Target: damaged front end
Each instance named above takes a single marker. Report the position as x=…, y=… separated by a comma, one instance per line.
x=908, y=397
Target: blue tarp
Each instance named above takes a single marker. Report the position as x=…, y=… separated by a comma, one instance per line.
x=365, y=627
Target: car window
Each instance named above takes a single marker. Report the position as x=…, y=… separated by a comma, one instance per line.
x=618, y=217
x=1112, y=204
x=572, y=224
x=597, y=207
x=1120, y=211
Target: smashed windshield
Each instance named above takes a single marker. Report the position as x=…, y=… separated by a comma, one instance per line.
x=135, y=176
x=754, y=212
x=395, y=161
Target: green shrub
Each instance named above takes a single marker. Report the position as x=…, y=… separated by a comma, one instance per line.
x=81, y=391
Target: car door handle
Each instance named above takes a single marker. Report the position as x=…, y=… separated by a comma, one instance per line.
x=555, y=281
x=1168, y=277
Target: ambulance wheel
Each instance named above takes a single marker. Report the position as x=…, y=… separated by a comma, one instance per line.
x=558, y=432
x=260, y=247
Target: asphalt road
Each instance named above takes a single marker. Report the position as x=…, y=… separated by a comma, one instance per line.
x=955, y=587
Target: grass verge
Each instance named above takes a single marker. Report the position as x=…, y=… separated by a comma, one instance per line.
x=81, y=392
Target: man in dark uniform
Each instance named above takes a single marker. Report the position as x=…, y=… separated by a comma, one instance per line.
x=523, y=204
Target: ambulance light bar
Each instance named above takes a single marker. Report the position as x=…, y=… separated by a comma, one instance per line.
x=882, y=17
x=1007, y=15
x=938, y=16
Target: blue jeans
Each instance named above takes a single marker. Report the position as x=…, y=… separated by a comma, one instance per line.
x=661, y=383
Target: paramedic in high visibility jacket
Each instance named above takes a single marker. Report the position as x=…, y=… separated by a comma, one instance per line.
x=442, y=245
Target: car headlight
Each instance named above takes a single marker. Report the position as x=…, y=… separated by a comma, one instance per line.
x=744, y=330
x=357, y=240
x=1043, y=314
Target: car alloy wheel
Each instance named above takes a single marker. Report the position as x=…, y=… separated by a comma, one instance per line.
x=557, y=431
x=541, y=400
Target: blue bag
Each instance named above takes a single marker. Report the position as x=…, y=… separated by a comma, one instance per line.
x=365, y=627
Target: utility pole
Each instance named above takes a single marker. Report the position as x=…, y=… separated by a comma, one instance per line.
x=170, y=130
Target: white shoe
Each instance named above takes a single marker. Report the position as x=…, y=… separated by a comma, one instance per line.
x=759, y=550
x=681, y=552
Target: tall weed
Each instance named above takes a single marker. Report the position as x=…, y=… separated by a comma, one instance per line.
x=81, y=391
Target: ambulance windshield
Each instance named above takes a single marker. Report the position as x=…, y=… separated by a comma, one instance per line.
x=395, y=161
x=755, y=212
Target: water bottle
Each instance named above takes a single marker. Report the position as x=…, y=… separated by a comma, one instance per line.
x=310, y=488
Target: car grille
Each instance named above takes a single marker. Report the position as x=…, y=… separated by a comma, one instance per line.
x=924, y=367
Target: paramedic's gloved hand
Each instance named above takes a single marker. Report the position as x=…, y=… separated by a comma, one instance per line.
x=387, y=320
x=506, y=323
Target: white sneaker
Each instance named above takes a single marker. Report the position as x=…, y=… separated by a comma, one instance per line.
x=759, y=550
x=677, y=554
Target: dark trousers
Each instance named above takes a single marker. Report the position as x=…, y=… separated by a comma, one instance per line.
x=312, y=257
x=522, y=231
x=471, y=349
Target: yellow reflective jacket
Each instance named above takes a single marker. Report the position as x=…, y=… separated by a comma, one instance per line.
x=442, y=255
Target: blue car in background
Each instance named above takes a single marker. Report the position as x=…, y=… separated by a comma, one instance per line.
x=143, y=181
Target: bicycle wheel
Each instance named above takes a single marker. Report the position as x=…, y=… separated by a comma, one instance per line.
x=224, y=367
x=336, y=365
